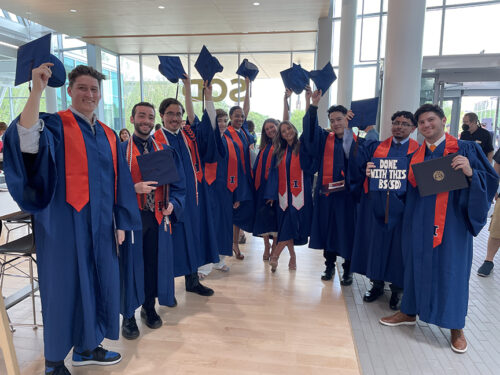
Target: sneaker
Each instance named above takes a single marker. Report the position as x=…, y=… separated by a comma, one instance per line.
x=200, y=289
x=98, y=356
x=151, y=318
x=458, y=342
x=398, y=319
x=56, y=370
x=485, y=269
x=130, y=331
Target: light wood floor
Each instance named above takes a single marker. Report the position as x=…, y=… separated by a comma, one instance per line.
x=257, y=322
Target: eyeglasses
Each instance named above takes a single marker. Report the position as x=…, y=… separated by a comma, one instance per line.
x=173, y=114
x=401, y=123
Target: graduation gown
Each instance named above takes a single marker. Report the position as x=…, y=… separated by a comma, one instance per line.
x=436, y=279
x=265, y=216
x=76, y=251
x=243, y=216
x=194, y=235
x=294, y=222
x=377, y=250
x=131, y=252
x=334, y=216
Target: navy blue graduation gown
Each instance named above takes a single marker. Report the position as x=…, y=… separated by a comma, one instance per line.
x=265, y=219
x=436, y=280
x=377, y=246
x=194, y=239
x=76, y=251
x=131, y=258
x=334, y=215
x=293, y=224
x=243, y=216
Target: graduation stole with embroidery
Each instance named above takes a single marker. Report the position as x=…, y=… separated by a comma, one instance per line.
x=382, y=151
x=232, y=165
x=450, y=147
x=75, y=158
x=296, y=182
x=236, y=138
x=193, y=154
x=258, y=172
x=132, y=154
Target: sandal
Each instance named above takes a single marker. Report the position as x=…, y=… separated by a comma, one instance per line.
x=273, y=262
x=238, y=254
x=224, y=268
x=267, y=254
x=292, y=264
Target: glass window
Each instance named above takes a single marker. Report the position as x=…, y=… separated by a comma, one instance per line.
x=131, y=87
x=371, y=6
x=69, y=42
x=432, y=30
x=454, y=2
x=364, y=83
x=109, y=90
x=472, y=30
x=336, y=42
x=435, y=3
x=368, y=42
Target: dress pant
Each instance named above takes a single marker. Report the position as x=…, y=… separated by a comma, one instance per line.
x=379, y=284
x=150, y=256
x=331, y=257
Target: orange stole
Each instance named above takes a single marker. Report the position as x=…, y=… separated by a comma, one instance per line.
x=450, y=147
x=75, y=155
x=132, y=154
x=236, y=138
x=232, y=165
x=296, y=182
x=258, y=172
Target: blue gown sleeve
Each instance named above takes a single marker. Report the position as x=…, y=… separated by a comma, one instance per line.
x=271, y=191
x=32, y=178
x=309, y=163
x=126, y=210
x=205, y=138
x=312, y=133
x=476, y=200
x=178, y=191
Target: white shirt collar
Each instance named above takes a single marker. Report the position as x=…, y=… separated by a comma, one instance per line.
x=173, y=132
x=90, y=121
x=438, y=142
x=394, y=140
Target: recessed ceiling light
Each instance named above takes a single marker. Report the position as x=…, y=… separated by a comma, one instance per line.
x=256, y=4
x=161, y=7
x=73, y=10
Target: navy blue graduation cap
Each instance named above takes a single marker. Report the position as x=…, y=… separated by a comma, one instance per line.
x=248, y=69
x=33, y=54
x=171, y=68
x=158, y=166
x=323, y=78
x=207, y=65
x=365, y=113
x=295, y=78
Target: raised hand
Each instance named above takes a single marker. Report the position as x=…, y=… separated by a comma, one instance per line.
x=316, y=97
x=208, y=90
x=288, y=93
x=350, y=115
x=308, y=93
x=186, y=81
x=40, y=77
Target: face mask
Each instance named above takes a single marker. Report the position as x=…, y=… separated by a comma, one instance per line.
x=465, y=127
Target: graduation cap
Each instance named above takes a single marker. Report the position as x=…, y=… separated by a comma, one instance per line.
x=295, y=78
x=248, y=69
x=207, y=65
x=33, y=54
x=171, y=68
x=323, y=78
x=158, y=166
x=365, y=113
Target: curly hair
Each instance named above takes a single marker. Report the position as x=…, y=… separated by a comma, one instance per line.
x=84, y=70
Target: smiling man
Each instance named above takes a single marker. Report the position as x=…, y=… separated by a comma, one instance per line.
x=67, y=170
x=437, y=232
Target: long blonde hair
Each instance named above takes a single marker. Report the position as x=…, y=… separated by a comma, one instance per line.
x=280, y=145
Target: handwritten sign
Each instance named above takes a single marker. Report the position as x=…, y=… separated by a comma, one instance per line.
x=389, y=174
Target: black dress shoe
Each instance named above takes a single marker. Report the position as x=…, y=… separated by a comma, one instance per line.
x=129, y=328
x=328, y=273
x=173, y=304
x=373, y=294
x=201, y=290
x=151, y=318
x=394, y=301
x=346, y=279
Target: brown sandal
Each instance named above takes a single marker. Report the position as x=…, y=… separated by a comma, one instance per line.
x=238, y=254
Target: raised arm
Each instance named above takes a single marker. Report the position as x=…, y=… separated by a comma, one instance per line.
x=246, y=102
x=40, y=77
x=286, y=108
x=308, y=97
x=189, y=99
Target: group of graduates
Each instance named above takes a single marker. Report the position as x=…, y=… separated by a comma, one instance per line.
x=101, y=228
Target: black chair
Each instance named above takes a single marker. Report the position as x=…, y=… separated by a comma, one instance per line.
x=14, y=253
x=17, y=222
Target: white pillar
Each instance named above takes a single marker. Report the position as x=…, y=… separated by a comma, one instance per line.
x=94, y=60
x=403, y=60
x=346, y=55
x=323, y=56
x=50, y=100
